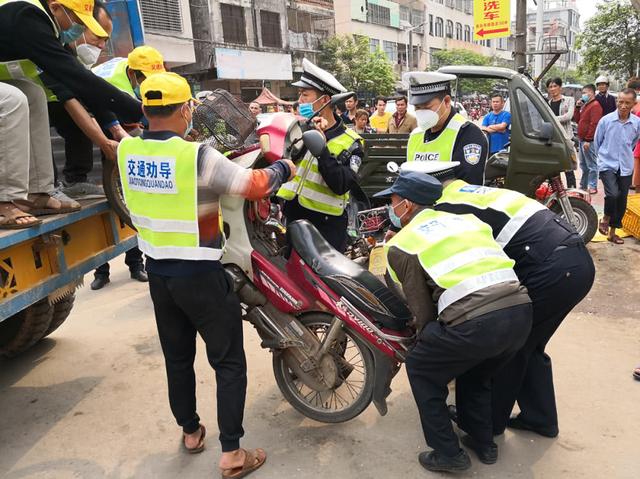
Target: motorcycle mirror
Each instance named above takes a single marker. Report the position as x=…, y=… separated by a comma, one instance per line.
x=314, y=141
x=392, y=167
x=341, y=97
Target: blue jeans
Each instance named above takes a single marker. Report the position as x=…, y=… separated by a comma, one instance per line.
x=589, y=167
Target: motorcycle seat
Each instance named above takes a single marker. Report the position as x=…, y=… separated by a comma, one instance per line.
x=347, y=278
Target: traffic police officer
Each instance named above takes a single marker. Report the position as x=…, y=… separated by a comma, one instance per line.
x=553, y=263
x=172, y=189
x=475, y=313
x=320, y=191
x=442, y=133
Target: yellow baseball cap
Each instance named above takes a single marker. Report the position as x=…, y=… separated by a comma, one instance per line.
x=84, y=10
x=146, y=59
x=165, y=88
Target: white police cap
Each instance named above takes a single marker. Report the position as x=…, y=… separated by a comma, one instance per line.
x=423, y=86
x=315, y=77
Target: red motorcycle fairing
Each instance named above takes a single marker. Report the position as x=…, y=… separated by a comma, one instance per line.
x=278, y=287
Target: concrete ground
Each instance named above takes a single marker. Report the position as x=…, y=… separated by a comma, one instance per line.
x=90, y=401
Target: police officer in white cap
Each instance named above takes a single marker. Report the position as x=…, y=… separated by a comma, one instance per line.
x=319, y=192
x=443, y=134
x=553, y=263
x=471, y=312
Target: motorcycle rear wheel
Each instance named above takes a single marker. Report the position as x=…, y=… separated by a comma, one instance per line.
x=353, y=394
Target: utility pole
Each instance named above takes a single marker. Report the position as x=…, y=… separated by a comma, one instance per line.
x=521, y=34
x=539, y=35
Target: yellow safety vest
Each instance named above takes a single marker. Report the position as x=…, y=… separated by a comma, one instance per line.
x=516, y=206
x=25, y=69
x=160, y=184
x=308, y=185
x=458, y=252
x=440, y=149
x=114, y=71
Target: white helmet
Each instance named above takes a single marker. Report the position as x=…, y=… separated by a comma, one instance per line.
x=602, y=79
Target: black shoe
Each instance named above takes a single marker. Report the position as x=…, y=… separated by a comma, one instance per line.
x=517, y=423
x=487, y=453
x=99, y=281
x=139, y=275
x=452, y=411
x=437, y=462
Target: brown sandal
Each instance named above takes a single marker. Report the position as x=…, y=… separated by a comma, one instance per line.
x=615, y=239
x=252, y=461
x=38, y=204
x=10, y=213
x=603, y=227
x=200, y=446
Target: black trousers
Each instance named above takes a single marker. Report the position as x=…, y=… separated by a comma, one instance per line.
x=78, y=148
x=204, y=304
x=616, y=189
x=132, y=258
x=472, y=352
x=556, y=286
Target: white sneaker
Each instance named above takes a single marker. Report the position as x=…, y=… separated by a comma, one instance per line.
x=60, y=196
x=82, y=190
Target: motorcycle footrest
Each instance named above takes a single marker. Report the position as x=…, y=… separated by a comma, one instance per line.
x=280, y=343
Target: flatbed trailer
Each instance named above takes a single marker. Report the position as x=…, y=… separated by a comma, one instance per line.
x=40, y=268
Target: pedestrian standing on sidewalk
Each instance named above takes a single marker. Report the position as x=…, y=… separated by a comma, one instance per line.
x=607, y=101
x=563, y=107
x=616, y=136
x=179, y=230
x=587, y=115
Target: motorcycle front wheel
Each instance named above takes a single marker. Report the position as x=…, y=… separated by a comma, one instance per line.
x=113, y=191
x=354, y=390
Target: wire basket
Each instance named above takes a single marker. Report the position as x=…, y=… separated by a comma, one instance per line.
x=373, y=220
x=222, y=121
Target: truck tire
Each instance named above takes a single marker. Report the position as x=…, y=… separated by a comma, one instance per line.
x=61, y=311
x=22, y=330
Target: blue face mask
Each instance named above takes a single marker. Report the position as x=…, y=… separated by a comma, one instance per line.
x=585, y=98
x=394, y=218
x=305, y=109
x=71, y=34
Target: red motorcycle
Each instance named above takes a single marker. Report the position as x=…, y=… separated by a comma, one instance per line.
x=337, y=334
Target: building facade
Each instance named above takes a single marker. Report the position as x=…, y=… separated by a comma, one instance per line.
x=410, y=32
x=561, y=18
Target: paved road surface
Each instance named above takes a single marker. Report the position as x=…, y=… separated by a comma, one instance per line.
x=90, y=402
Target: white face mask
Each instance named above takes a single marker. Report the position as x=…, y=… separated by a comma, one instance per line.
x=88, y=54
x=427, y=119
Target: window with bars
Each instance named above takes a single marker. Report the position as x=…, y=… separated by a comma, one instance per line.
x=459, y=4
x=468, y=6
x=467, y=33
x=458, y=31
x=405, y=14
x=449, y=29
x=417, y=17
x=270, y=28
x=234, y=29
x=431, y=25
x=378, y=15
x=163, y=15
x=374, y=45
x=391, y=50
x=439, y=27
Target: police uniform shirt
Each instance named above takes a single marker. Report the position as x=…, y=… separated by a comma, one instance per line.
x=340, y=175
x=470, y=149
